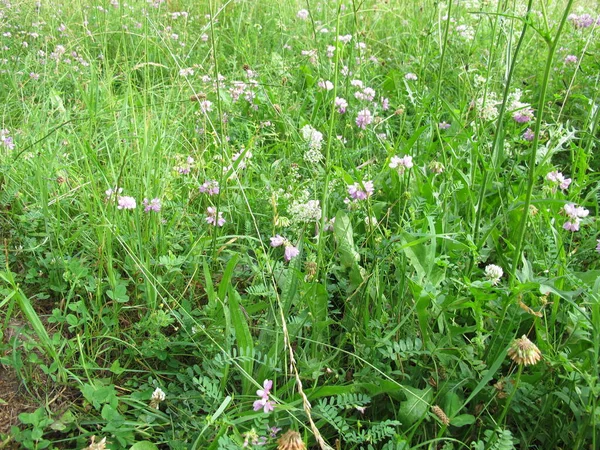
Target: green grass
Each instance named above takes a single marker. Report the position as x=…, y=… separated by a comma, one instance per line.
x=385, y=330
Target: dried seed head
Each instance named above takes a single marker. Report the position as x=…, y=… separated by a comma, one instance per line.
x=524, y=352
x=277, y=108
x=439, y=412
x=198, y=97
x=291, y=440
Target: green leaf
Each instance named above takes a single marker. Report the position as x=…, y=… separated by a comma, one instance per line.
x=462, y=420
x=416, y=405
x=243, y=338
x=143, y=445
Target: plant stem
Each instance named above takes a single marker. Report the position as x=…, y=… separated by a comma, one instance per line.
x=538, y=123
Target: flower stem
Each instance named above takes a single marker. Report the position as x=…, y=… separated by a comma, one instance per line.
x=534, y=146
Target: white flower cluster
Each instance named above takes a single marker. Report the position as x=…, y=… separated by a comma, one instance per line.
x=304, y=212
x=315, y=141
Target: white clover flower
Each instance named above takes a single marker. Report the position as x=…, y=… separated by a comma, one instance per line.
x=493, y=273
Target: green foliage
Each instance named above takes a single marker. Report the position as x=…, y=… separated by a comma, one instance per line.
x=355, y=263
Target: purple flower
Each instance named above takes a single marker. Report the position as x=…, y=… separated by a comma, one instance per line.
x=125, y=202
x=152, y=205
x=571, y=226
x=443, y=126
x=558, y=178
x=385, y=103
x=341, y=105
x=401, y=163
x=575, y=213
x=571, y=59
x=277, y=241
x=211, y=217
x=528, y=135
x=523, y=116
x=6, y=140
x=364, y=118
x=210, y=187
x=598, y=246
x=290, y=251
x=411, y=76
x=361, y=192
x=263, y=402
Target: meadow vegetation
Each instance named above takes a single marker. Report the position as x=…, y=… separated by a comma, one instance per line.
x=299, y=225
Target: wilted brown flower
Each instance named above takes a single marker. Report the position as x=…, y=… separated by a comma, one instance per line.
x=96, y=445
x=291, y=440
x=441, y=414
x=524, y=352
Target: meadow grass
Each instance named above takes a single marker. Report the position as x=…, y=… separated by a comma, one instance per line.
x=320, y=224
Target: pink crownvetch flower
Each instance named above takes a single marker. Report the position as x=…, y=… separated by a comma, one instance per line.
x=575, y=213
x=341, y=104
x=528, y=135
x=358, y=192
x=152, y=205
x=277, y=241
x=364, y=118
x=558, y=178
x=210, y=187
x=598, y=245
x=263, y=402
x=401, y=164
x=126, y=202
x=290, y=251
x=211, y=217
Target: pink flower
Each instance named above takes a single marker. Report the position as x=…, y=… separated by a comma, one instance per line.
x=358, y=192
x=302, y=14
x=575, y=213
x=263, y=402
x=598, y=246
x=385, y=103
x=212, y=218
x=152, y=205
x=571, y=226
x=364, y=118
x=290, y=251
x=325, y=84
x=411, y=76
x=126, y=203
x=341, y=105
x=210, y=187
x=571, y=59
x=559, y=178
x=443, y=126
x=528, y=135
x=277, y=241
x=523, y=116
x=401, y=163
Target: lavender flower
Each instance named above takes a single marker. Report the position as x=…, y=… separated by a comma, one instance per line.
x=213, y=219
x=152, y=205
x=559, y=179
x=575, y=214
x=210, y=187
x=263, y=402
x=341, y=105
x=126, y=202
x=361, y=192
x=401, y=163
x=364, y=118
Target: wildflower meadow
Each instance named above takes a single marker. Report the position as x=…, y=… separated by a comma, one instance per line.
x=299, y=224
